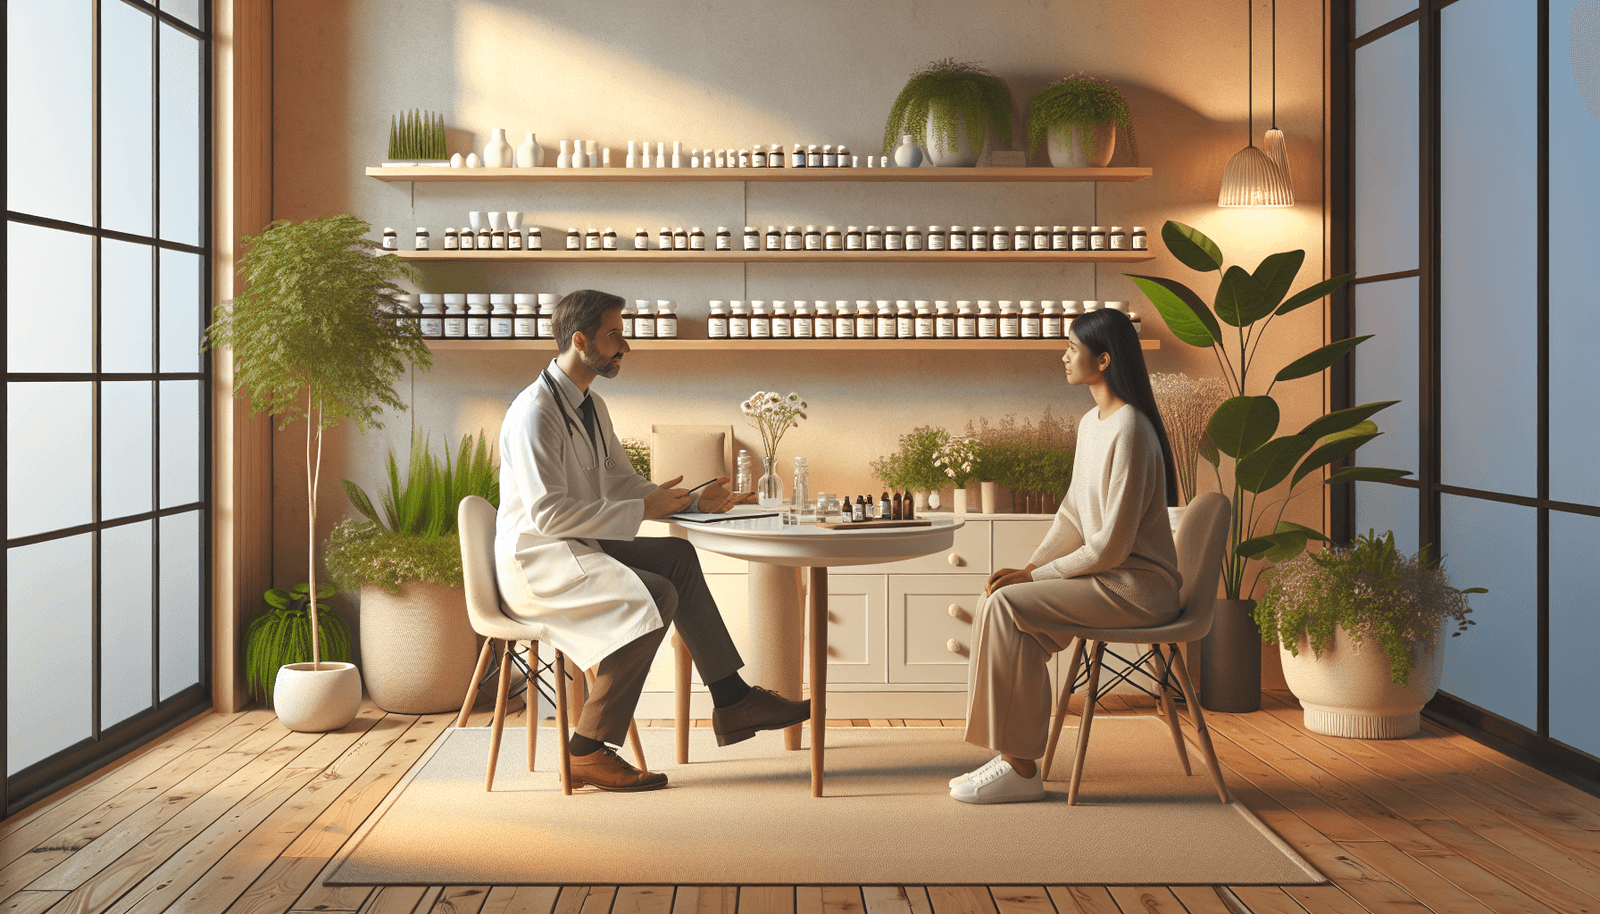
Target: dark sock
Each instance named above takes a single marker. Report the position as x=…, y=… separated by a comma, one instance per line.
x=729, y=690
x=583, y=745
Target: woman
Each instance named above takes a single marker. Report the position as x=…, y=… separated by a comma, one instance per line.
x=1108, y=561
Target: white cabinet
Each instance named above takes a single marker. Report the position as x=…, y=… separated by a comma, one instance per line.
x=858, y=630
x=930, y=626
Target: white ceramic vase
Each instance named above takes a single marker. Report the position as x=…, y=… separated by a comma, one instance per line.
x=960, y=505
x=988, y=496
x=564, y=160
x=580, y=159
x=317, y=698
x=1065, y=145
x=1349, y=692
x=907, y=154
x=947, y=151
x=497, y=154
x=530, y=154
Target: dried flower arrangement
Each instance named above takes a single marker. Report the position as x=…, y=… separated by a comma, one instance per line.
x=1186, y=405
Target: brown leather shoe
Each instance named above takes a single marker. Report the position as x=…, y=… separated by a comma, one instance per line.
x=760, y=710
x=605, y=769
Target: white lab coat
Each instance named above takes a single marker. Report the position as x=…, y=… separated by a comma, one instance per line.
x=557, y=500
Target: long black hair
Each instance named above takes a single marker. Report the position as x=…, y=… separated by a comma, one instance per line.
x=1110, y=331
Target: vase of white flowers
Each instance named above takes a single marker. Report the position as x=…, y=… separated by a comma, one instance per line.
x=772, y=414
x=958, y=457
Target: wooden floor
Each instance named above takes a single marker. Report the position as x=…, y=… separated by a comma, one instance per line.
x=234, y=813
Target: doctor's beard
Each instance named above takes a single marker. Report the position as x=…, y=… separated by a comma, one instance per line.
x=604, y=366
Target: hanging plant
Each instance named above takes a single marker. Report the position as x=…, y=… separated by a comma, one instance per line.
x=1079, y=101
x=948, y=89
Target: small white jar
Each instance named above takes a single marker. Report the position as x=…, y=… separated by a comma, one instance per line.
x=500, y=317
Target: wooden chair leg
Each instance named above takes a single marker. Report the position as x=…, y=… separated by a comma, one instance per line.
x=560, y=666
x=1198, y=717
x=530, y=700
x=1061, y=706
x=499, y=715
x=1092, y=696
x=633, y=743
x=680, y=690
x=1168, y=710
x=472, y=687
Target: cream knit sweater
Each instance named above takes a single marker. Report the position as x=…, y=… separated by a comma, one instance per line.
x=1113, y=523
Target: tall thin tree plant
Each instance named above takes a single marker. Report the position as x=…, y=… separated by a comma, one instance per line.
x=314, y=337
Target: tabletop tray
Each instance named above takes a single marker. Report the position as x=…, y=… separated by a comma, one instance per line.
x=858, y=525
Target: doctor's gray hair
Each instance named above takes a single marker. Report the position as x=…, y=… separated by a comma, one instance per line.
x=581, y=312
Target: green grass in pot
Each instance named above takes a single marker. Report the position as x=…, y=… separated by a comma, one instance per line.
x=1079, y=101
x=282, y=635
x=948, y=88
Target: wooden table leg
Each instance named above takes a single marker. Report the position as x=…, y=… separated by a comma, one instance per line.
x=775, y=657
x=817, y=605
x=680, y=690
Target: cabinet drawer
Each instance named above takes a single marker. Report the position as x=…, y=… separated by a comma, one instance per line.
x=856, y=628
x=927, y=616
x=1015, y=541
x=968, y=554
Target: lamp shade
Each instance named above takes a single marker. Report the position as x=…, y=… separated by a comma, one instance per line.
x=1253, y=179
x=1276, y=146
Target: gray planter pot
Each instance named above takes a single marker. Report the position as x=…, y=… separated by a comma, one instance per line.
x=1230, y=665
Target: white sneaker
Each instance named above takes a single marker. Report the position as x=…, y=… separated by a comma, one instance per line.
x=1000, y=784
x=962, y=779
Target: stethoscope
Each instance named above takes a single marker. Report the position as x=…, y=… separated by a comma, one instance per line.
x=573, y=425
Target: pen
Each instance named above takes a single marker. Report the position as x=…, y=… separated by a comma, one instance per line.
x=703, y=485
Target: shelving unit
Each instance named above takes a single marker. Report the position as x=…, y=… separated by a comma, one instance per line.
x=702, y=257
x=832, y=345
x=792, y=175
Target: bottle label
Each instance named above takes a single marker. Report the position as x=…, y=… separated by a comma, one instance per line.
x=500, y=328
x=717, y=328
x=1030, y=328
x=824, y=328
x=944, y=328
x=1051, y=328
x=1119, y=242
x=609, y=243
x=1097, y=242
x=752, y=242
x=966, y=327
x=1021, y=242
x=758, y=159
x=887, y=329
x=467, y=243
x=514, y=241
x=1041, y=242
x=644, y=328
x=666, y=328
x=803, y=328
x=573, y=243
x=724, y=242
x=853, y=243
x=1141, y=243
x=783, y=329
x=958, y=242
x=535, y=242
x=844, y=327
x=924, y=328
x=760, y=328
x=832, y=243
x=935, y=242
x=1080, y=243
x=791, y=242
x=526, y=328
x=452, y=243
x=591, y=243
x=813, y=159
x=698, y=243
x=498, y=243
x=876, y=242
x=905, y=327
x=546, y=330
x=455, y=327
x=1010, y=327
x=739, y=328
x=432, y=327
x=988, y=328
x=627, y=326
x=680, y=242
x=980, y=242
x=813, y=242
x=1000, y=242
x=865, y=327
x=1060, y=242
x=914, y=242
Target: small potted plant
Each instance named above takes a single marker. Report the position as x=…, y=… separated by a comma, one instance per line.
x=282, y=635
x=961, y=461
x=954, y=109
x=912, y=467
x=1324, y=608
x=1076, y=118
x=313, y=337
x=406, y=563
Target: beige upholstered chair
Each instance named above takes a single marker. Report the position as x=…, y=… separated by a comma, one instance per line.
x=695, y=452
x=476, y=520
x=1200, y=538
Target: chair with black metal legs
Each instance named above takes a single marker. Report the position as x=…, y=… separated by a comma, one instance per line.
x=1200, y=538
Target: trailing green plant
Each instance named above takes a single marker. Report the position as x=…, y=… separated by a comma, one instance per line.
x=1243, y=427
x=1079, y=101
x=364, y=554
x=1370, y=589
x=638, y=451
x=416, y=134
x=424, y=503
x=946, y=89
x=313, y=337
x=912, y=466
x=281, y=635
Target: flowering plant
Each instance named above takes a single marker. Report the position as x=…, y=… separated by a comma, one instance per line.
x=959, y=458
x=773, y=414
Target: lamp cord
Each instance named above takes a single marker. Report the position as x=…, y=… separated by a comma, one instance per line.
x=1274, y=64
x=1250, y=70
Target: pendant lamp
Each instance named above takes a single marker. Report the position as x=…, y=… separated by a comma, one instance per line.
x=1252, y=178
x=1274, y=144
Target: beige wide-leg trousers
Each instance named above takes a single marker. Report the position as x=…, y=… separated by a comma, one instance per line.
x=1015, y=632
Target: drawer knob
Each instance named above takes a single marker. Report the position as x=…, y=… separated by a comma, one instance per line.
x=957, y=560
x=955, y=647
x=956, y=612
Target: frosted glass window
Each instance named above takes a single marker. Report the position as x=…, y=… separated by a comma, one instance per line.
x=1494, y=665
x=49, y=285
x=1488, y=254
x=47, y=456
x=126, y=279
x=180, y=602
x=180, y=443
x=127, y=427
x=1372, y=13
x=1386, y=154
x=127, y=585
x=187, y=10
x=180, y=136
x=180, y=311
x=127, y=142
x=49, y=113
x=1574, y=268
x=50, y=696
x=1574, y=630
x=1381, y=507
x=1386, y=368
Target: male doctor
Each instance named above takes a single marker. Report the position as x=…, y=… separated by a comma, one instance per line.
x=569, y=556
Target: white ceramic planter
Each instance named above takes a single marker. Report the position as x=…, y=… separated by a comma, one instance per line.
x=1348, y=691
x=988, y=496
x=317, y=699
x=951, y=152
x=1066, y=147
x=417, y=647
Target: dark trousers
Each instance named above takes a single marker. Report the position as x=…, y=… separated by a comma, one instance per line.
x=670, y=570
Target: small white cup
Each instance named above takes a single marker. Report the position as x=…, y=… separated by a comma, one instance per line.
x=475, y=219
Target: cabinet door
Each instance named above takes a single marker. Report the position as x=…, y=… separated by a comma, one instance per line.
x=930, y=626
x=968, y=554
x=1016, y=540
x=857, y=628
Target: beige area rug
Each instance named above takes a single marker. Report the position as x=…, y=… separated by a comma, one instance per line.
x=744, y=815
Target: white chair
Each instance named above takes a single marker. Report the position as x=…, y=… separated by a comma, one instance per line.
x=1200, y=538
x=476, y=520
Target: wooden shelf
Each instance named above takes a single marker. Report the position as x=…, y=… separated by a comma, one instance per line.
x=629, y=256
x=779, y=345
x=792, y=175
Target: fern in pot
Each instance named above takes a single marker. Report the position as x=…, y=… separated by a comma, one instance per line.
x=1360, y=630
x=283, y=635
x=1077, y=119
x=954, y=109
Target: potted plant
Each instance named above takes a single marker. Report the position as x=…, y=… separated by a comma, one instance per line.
x=417, y=645
x=1077, y=118
x=282, y=635
x=912, y=467
x=1321, y=608
x=1244, y=430
x=638, y=451
x=961, y=461
x=951, y=107
x=313, y=337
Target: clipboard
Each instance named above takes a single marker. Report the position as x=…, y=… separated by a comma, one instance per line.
x=700, y=517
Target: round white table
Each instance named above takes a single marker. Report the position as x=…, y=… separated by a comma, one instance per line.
x=767, y=540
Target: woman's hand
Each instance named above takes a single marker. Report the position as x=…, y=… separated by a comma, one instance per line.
x=1008, y=576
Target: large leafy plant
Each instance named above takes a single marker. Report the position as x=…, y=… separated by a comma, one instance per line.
x=947, y=89
x=314, y=337
x=1244, y=429
x=284, y=634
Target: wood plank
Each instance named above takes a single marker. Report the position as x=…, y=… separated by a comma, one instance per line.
x=1240, y=754
x=842, y=899
x=766, y=899
x=460, y=899
x=918, y=896
x=716, y=899
x=396, y=899
x=319, y=896
x=643, y=899
x=1546, y=783
x=1262, y=899
x=571, y=899
x=923, y=722
x=960, y=899
x=30, y=902
x=1206, y=899
x=1022, y=899
x=886, y=899
x=520, y=899
x=1428, y=887
x=807, y=899
x=1325, y=899
x=276, y=890
x=1146, y=899
x=1083, y=899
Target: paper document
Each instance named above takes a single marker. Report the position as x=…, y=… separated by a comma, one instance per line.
x=703, y=517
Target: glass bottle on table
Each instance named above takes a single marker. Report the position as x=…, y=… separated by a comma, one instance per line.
x=742, y=480
x=802, y=487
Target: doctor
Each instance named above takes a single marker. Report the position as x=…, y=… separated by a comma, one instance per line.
x=569, y=556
